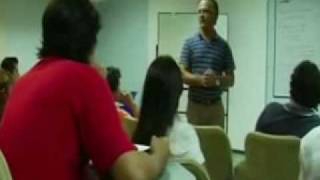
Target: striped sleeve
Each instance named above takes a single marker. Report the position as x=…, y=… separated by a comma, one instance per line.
x=185, y=57
x=229, y=61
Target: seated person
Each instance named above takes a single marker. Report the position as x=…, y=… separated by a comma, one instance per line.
x=298, y=116
x=124, y=101
x=162, y=89
x=8, y=75
x=310, y=155
x=60, y=115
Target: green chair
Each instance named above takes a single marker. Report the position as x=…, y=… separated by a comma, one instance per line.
x=216, y=148
x=269, y=157
x=4, y=169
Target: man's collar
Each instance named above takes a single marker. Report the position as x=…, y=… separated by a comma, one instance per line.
x=215, y=37
x=296, y=108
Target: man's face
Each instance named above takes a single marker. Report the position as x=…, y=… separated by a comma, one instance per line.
x=206, y=13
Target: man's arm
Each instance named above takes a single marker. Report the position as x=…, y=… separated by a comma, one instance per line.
x=227, y=79
x=140, y=165
x=191, y=79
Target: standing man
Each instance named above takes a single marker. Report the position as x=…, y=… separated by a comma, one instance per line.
x=208, y=68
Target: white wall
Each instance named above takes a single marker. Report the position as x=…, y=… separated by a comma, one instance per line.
x=123, y=39
x=22, y=30
x=247, y=38
x=156, y=6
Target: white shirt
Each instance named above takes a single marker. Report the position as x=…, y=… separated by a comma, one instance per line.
x=175, y=171
x=310, y=155
x=184, y=142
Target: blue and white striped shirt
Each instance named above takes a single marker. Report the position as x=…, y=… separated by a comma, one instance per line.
x=198, y=55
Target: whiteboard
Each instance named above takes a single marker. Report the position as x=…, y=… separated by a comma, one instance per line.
x=296, y=38
x=174, y=29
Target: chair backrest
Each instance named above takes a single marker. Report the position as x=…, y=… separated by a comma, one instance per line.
x=272, y=157
x=4, y=169
x=217, y=151
x=130, y=125
x=195, y=168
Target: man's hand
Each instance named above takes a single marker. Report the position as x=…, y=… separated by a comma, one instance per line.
x=211, y=79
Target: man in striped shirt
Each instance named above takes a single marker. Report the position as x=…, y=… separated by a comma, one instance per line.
x=208, y=68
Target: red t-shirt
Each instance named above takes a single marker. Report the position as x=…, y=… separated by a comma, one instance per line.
x=59, y=115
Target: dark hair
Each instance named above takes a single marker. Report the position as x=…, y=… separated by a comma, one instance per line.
x=113, y=77
x=162, y=89
x=9, y=64
x=69, y=30
x=305, y=84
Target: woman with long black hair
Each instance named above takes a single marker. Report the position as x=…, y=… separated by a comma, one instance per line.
x=162, y=89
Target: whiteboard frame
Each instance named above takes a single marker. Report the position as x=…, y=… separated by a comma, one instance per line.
x=271, y=55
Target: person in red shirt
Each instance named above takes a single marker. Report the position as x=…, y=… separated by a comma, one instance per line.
x=60, y=115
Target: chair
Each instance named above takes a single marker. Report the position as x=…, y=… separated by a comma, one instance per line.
x=195, y=168
x=4, y=169
x=269, y=157
x=217, y=151
x=130, y=125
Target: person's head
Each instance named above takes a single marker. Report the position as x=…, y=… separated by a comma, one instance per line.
x=162, y=89
x=10, y=64
x=208, y=13
x=305, y=84
x=69, y=30
x=113, y=77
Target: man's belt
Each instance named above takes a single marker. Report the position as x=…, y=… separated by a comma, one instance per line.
x=206, y=101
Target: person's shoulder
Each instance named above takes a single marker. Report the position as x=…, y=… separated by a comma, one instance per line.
x=73, y=66
x=269, y=112
x=313, y=120
x=181, y=123
x=221, y=40
x=72, y=72
x=194, y=38
x=75, y=69
x=273, y=106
